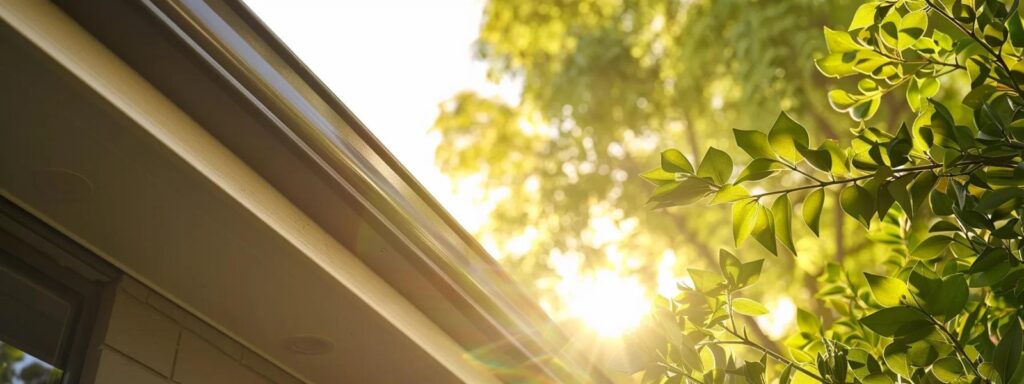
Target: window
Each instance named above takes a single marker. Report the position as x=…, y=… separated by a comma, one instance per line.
x=50, y=289
x=33, y=329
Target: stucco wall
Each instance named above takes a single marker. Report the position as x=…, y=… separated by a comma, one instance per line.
x=149, y=339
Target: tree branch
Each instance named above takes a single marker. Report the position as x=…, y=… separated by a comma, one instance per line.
x=705, y=253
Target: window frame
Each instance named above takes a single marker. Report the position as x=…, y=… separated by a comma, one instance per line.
x=41, y=253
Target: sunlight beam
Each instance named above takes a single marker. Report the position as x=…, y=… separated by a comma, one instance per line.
x=608, y=304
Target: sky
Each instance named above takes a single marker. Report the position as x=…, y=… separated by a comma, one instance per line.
x=392, y=62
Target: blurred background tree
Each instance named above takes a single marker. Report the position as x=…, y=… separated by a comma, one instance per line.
x=606, y=85
x=20, y=368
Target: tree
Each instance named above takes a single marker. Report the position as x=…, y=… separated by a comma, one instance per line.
x=16, y=364
x=604, y=83
x=9, y=356
x=943, y=194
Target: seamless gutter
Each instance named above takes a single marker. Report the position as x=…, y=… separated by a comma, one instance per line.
x=231, y=38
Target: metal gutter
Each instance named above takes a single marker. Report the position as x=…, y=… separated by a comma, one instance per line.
x=232, y=40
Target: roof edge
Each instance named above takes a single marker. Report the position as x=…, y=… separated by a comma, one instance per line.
x=232, y=38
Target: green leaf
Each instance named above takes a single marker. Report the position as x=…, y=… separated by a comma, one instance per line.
x=748, y=307
x=889, y=29
x=887, y=321
x=841, y=100
x=808, y=322
x=941, y=204
x=900, y=147
x=975, y=220
x=679, y=192
x=658, y=176
x=863, y=364
x=758, y=169
x=682, y=344
x=914, y=95
x=869, y=62
x=895, y=355
x=990, y=268
x=941, y=115
x=787, y=138
x=782, y=211
x=764, y=229
x=663, y=192
x=864, y=16
x=730, y=193
x=819, y=158
x=948, y=369
x=749, y=273
x=943, y=226
x=812, y=209
x=716, y=165
x=866, y=108
x=900, y=192
x=737, y=273
x=1007, y=355
x=931, y=247
x=868, y=86
x=918, y=345
x=994, y=34
x=706, y=282
x=729, y=264
x=787, y=375
x=835, y=65
x=883, y=202
x=929, y=86
x=674, y=161
x=839, y=167
x=753, y=372
x=948, y=298
x=878, y=378
x=744, y=217
x=754, y=143
x=1018, y=375
x=943, y=40
x=653, y=374
x=993, y=199
x=1016, y=31
x=920, y=188
x=887, y=290
x=912, y=27
x=840, y=41
x=856, y=201
x=978, y=96
x=800, y=356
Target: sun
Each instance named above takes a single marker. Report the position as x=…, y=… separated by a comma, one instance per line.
x=608, y=304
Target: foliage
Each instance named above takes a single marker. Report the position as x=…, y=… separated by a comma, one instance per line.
x=16, y=364
x=604, y=82
x=942, y=193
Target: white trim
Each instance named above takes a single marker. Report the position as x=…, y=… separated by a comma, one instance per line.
x=74, y=48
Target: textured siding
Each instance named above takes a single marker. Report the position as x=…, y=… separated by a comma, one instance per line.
x=149, y=339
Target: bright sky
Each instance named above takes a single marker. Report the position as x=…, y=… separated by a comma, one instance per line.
x=392, y=62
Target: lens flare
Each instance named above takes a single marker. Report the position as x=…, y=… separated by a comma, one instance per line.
x=609, y=304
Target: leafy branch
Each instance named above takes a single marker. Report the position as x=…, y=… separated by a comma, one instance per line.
x=956, y=171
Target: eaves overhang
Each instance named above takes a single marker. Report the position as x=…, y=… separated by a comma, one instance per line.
x=228, y=71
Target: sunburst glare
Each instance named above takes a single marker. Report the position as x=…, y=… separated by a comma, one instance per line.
x=609, y=304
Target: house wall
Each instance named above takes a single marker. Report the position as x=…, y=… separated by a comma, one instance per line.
x=147, y=339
